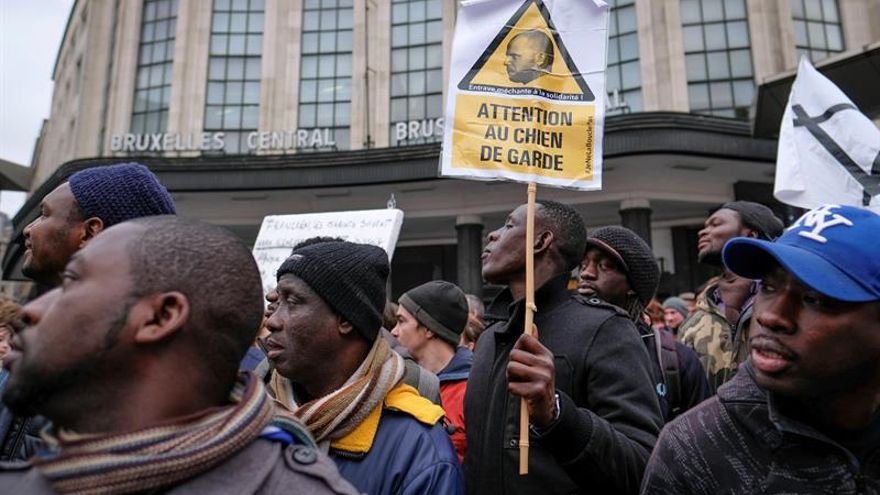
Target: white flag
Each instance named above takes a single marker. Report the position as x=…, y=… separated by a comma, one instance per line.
x=829, y=152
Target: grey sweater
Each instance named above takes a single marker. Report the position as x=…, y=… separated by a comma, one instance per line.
x=263, y=467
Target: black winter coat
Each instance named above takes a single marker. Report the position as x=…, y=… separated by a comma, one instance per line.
x=609, y=414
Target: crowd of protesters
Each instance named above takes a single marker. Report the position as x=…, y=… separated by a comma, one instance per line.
x=149, y=364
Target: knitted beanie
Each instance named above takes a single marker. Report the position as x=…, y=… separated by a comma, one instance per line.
x=117, y=193
x=349, y=277
x=634, y=255
x=758, y=218
x=677, y=304
x=439, y=305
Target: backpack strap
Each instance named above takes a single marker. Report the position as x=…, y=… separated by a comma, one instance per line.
x=422, y=380
x=670, y=367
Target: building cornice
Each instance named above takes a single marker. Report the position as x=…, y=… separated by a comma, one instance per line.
x=625, y=135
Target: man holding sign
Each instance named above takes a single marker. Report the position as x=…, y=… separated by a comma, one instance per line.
x=585, y=376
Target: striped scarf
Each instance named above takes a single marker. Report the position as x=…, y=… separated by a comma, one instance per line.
x=159, y=456
x=335, y=415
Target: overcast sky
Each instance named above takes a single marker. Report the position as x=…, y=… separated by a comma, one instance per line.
x=30, y=34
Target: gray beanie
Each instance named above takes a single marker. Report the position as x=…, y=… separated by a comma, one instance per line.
x=677, y=304
x=439, y=305
x=758, y=218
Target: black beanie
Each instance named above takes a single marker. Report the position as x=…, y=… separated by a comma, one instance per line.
x=439, y=305
x=349, y=277
x=758, y=218
x=634, y=254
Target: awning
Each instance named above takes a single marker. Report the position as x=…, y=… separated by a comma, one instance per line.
x=14, y=177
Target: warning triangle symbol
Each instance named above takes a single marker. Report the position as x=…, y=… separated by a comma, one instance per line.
x=527, y=57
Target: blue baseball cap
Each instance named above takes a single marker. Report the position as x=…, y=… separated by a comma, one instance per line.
x=832, y=249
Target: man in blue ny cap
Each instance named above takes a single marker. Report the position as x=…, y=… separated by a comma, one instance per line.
x=803, y=415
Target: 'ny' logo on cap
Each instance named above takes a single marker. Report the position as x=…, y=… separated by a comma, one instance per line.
x=820, y=219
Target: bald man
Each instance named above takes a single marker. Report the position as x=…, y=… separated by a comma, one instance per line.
x=529, y=56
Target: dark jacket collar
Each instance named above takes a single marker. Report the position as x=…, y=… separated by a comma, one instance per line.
x=549, y=295
x=459, y=367
x=758, y=411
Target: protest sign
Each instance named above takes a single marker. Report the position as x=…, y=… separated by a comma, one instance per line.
x=524, y=106
x=526, y=92
x=829, y=152
x=279, y=233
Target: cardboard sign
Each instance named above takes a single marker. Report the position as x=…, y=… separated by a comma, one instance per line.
x=280, y=233
x=526, y=92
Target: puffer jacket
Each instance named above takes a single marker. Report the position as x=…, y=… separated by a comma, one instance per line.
x=401, y=450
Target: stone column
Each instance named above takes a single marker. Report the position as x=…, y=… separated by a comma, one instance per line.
x=635, y=214
x=469, y=230
x=190, y=74
x=661, y=56
x=861, y=22
x=772, y=37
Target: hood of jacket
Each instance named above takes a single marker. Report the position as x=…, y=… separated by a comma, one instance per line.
x=459, y=367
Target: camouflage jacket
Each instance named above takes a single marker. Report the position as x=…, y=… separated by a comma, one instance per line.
x=718, y=343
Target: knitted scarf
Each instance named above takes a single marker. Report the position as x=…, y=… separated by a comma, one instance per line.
x=159, y=456
x=335, y=415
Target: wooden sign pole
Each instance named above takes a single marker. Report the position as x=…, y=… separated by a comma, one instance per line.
x=529, y=324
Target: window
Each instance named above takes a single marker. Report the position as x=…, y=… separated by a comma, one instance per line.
x=416, y=70
x=156, y=52
x=325, y=71
x=817, y=29
x=232, y=103
x=624, y=79
x=717, y=57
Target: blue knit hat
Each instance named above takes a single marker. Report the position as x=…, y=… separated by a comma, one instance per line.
x=117, y=193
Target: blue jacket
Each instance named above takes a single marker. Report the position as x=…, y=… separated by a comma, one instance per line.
x=459, y=367
x=406, y=458
x=5, y=413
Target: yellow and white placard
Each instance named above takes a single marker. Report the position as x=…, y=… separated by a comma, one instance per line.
x=526, y=94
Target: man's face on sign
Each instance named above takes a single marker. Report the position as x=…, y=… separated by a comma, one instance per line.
x=527, y=57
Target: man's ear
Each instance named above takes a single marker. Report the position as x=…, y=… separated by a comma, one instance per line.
x=91, y=227
x=540, y=60
x=163, y=316
x=543, y=240
x=344, y=326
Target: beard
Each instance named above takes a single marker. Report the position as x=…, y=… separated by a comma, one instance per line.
x=34, y=389
x=29, y=390
x=712, y=258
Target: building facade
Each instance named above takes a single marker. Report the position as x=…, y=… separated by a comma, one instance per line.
x=253, y=107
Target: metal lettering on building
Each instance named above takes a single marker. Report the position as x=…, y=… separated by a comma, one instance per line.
x=216, y=141
x=418, y=129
